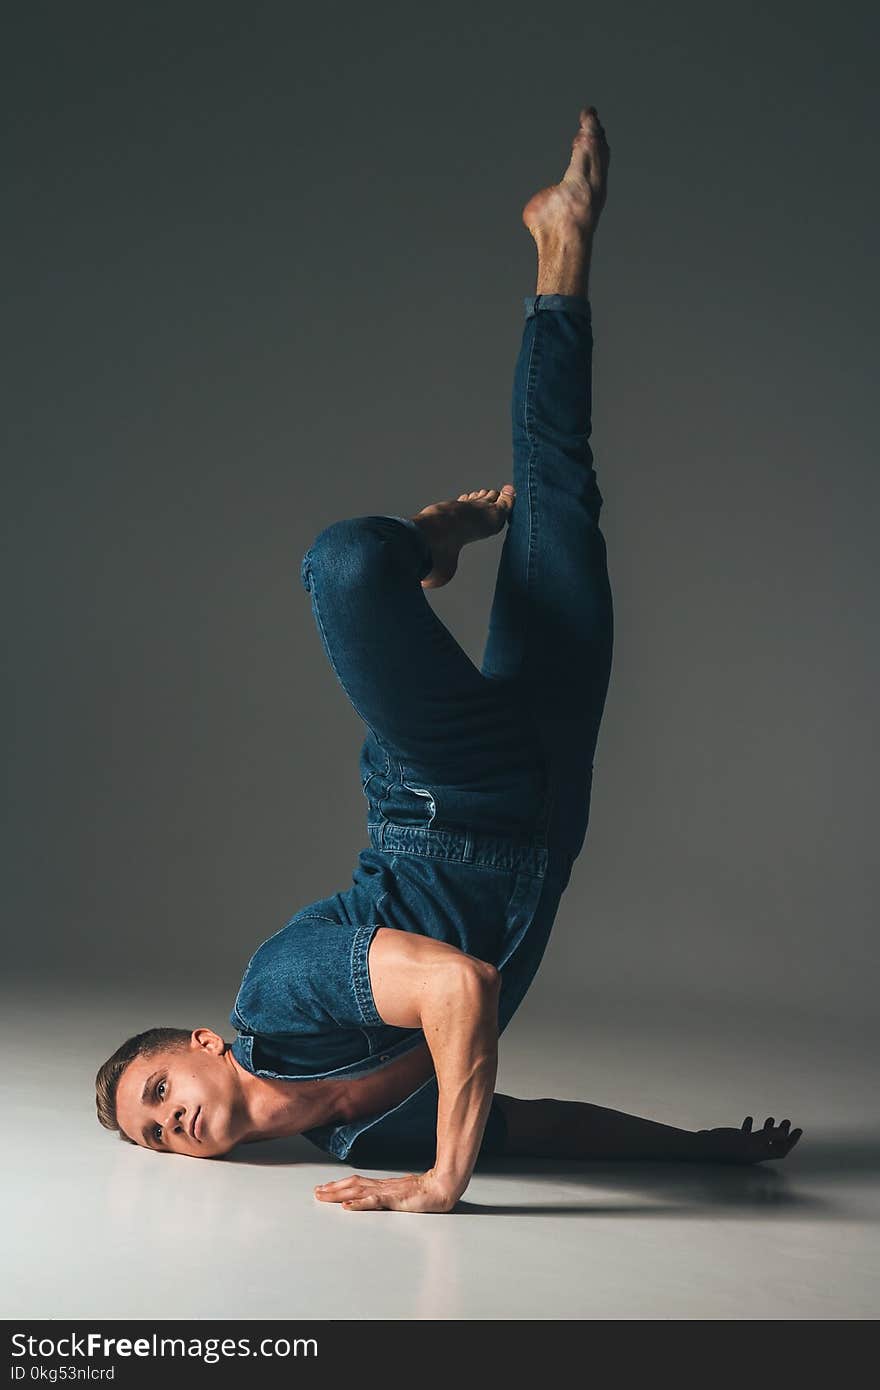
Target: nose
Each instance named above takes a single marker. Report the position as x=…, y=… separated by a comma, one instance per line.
x=175, y=1123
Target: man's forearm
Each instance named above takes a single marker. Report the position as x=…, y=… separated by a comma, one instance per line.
x=460, y=1023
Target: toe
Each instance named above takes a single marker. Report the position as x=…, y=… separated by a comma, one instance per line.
x=590, y=125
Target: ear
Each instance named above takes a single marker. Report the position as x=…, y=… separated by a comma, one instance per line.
x=207, y=1039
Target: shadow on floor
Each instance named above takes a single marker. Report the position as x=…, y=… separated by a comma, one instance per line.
x=697, y=1189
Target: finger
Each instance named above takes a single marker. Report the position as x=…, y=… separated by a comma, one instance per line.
x=363, y=1204
x=769, y=1123
x=342, y=1182
x=785, y=1125
x=338, y=1192
x=747, y=1124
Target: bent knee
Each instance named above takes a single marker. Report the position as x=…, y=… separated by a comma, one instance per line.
x=347, y=551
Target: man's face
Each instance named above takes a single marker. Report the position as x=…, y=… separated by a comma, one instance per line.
x=185, y=1101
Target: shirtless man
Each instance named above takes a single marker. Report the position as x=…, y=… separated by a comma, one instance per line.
x=370, y=1022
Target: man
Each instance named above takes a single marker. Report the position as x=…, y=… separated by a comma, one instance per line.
x=370, y=1022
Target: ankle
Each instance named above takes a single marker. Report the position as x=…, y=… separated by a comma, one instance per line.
x=564, y=264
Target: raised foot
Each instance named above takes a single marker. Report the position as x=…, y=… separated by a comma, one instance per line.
x=747, y=1146
x=572, y=206
x=449, y=525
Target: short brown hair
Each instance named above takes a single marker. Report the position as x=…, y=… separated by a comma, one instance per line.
x=141, y=1045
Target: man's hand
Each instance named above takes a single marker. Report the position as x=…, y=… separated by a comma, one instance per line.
x=412, y=1192
x=746, y=1145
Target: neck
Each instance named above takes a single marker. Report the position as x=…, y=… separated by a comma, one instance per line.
x=277, y=1109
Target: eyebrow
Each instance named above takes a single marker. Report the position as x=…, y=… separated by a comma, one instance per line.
x=145, y=1096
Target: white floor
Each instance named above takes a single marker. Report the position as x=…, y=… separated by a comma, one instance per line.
x=96, y=1228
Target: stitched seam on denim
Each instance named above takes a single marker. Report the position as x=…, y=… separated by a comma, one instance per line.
x=361, y=975
x=323, y=631
x=522, y=891
x=453, y=841
x=419, y=791
x=545, y=811
x=314, y=1075
x=394, y=1050
x=385, y=773
x=531, y=484
x=440, y=848
x=430, y=852
x=360, y=1068
x=248, y=967
x=434, y=854
x=577, y=305
x=380, y=900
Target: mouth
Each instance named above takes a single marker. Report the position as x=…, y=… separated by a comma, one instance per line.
x=195, y=1125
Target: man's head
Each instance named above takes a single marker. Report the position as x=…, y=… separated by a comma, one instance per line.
x=174, y=1091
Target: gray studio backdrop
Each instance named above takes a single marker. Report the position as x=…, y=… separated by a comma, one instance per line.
x=265, y=269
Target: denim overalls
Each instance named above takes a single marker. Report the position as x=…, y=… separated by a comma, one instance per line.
x=477, y=782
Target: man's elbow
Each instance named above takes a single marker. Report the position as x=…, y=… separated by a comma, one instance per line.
x=487, y=978
x=469, y=992
x=472, y=982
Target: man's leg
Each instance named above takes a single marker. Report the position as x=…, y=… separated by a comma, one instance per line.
x=551, y=627
x=454, y=744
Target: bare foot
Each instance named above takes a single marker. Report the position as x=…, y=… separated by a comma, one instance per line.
x=572, y=206
x=744, y=1146
x=450, y=525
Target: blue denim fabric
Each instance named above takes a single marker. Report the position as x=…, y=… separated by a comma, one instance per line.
x=477, y=782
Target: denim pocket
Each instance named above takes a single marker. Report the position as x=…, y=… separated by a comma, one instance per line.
x=428, y=800
x=521, y=909
x=401, y=797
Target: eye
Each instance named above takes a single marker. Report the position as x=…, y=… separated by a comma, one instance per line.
x=160, y=1089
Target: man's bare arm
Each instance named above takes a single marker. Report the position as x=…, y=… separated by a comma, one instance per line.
x=547, y=1128
x=453, y=997
x=421, y=983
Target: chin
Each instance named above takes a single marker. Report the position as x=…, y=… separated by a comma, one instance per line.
x=219, y=1148
x=222, y=1151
